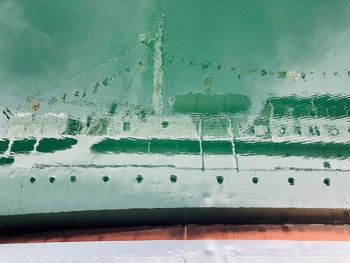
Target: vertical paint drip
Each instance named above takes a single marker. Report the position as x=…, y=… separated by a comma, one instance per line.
x=230, y=132
x=200, y=136
x=157, y=103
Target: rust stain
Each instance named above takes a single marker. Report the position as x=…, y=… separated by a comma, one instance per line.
x=190, y=232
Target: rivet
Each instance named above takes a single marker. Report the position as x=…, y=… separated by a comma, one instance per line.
x=32, y=180
x=291, y=180
x=165, y=124
x=139, y=178
x=105, y=178
x=51, y=179
x=327, y=181
x=255, y=180
x=73, y=178
x=326, y=165
x=220, y=179
x=173, y=178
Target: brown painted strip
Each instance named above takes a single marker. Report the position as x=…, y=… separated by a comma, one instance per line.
x=191, y=232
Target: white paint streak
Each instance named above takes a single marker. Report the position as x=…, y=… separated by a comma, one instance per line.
x=158, y=75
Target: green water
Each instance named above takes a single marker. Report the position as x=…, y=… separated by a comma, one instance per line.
x=50, y=49
x=92, y=59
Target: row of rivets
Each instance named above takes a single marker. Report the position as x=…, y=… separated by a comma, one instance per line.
x=173, y=179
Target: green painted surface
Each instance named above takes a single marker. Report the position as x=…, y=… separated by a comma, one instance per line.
x=267, y=148
x=217, y=147
x=159, y=146
x=166, y=146
x=23, y=146
x=286, y=149
x=121, y=146
x=4, y=144
x=50, y=145
x=6, y=160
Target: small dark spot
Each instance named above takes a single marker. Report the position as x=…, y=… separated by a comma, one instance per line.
x=5, y=113
x=220, y=179
x=139, y=178
x=255, y=180
x=205, y=64
x=326, y=165
x=173, y=178
x=106, y=82
x=126, y=126
x=291, y=180
x=88, y=121
x=73, y=178
x=32, y=180
x=314, y=131
x=105, y=178
x=263, y=72
x=64, y=97
x=165, y=124
x=327, y=181
x=333, y=131
x=282, y=131
x=95, y=87
x=297, y=130
x=113, y=108
x=51, y=179
x=76, y=93
x=251, y=130
x=282, y=74
x=219, y=67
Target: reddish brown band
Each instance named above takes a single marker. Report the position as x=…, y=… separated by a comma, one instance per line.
x=192, y=232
